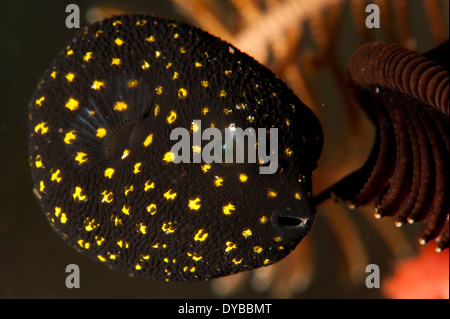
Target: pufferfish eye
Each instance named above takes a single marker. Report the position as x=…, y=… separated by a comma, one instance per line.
x=108, y=183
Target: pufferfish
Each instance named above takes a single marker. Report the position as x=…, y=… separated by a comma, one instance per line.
x=100, y=152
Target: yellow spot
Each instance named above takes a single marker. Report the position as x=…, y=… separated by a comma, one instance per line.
x=41, y=186
x=288, y=123
x=243, y=178
x=230, y=246
x=198, y=64
x=125, y=154
x=277, y=239
x=196, y=258
x=246, y=233
x=206, y=167
x=101, y=132
x=129, y=189
x=97, y=85
x=169, y=65
x=126, y=210
x=297, y=196
x=146, y=257
x=98, y=33
x=38, y=161
x=169, y=195
x=81, y=158
x=288, y=151
x=183, y=50
x=99, y=240
x=140, y=23
x=227, y=111
x=40, y=100
x=250, y=118
x=70, y=137
x=72, y=104
x=172, y=117
x=228, y=72
x=222, y=93
x=263, y=220
x=271, y=193
x=69, y=51
x=196, y=149
x=118, y=41
x=70, y=76
x=53, y=74
x=176, y=35
x=83, y=244
x=167, y=228
x=205, y=84
x=137, y=267
x=107, y=196
x=227, y=209
x=267, y=261
x=182, y=93
x=218, y=181
x=194, y=204
x=205, y=111
x=145, y=65
x=148, y=140
x=41, y=128
x=120, y=106
x=90, y=224
x=192, y=269
x=117, y=22
x=156, y=109
x=117, y=221
x=169, y=157
x=236, y=262
x=109, y=172
x=150, y=39
x=175, y=75
x=88, y=56
x=122, y=244
x=200, y=235
x=151, y=209
x=149, y=185
x=132, y=83
x=56, y=175
x=157, y=54
x=101, y=258
x=137, y=168
x=257, y=249
x=77, y=195
x=116, y=61
x=142, y=228
x=194, y=127
x=159, y=90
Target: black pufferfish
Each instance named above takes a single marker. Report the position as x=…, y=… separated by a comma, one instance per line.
x=104, y=173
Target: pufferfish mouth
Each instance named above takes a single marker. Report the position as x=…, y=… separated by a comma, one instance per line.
x=289, y=226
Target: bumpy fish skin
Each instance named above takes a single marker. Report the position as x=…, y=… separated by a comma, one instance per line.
x=100, y=122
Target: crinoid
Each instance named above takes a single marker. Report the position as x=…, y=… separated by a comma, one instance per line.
x=406, y=94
